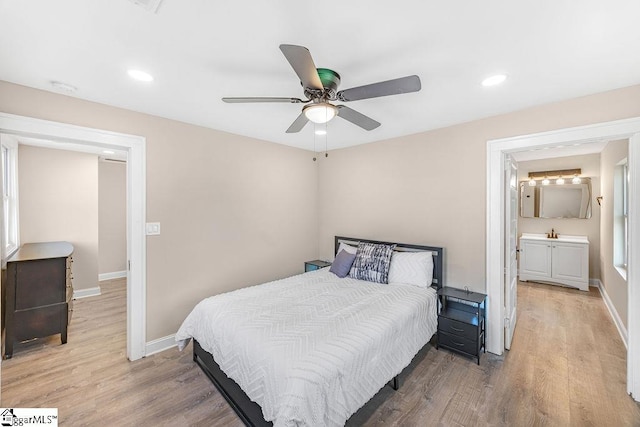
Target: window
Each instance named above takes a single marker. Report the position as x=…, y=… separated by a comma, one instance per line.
x=621, y=216
x=9, y=196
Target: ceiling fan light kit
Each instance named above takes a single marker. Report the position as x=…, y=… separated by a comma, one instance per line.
x=320, y=85
x=320, y=112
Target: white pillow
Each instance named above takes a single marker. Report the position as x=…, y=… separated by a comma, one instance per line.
x=412, y=268
x=347, y=248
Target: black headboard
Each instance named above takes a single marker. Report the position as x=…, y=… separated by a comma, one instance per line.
x=438, y=254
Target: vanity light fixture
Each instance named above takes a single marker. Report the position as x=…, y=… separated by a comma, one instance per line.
x=557, y=175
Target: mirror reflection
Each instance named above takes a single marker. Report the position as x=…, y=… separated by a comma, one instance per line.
x=556, y=200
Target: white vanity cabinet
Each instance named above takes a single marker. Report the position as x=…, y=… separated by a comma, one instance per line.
x=564, y=260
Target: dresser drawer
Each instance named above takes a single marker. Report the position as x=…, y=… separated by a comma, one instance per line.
x=458, y=343
x=454, y=327
x=40, y=322
x=40, y=283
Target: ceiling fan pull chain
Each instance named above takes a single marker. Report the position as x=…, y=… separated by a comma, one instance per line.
x=326, y=139
x=315, y=136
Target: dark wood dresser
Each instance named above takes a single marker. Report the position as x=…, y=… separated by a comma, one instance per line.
x=38, y=293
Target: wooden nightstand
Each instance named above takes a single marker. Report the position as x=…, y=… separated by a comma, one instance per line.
x=315, y=265
x=461, y=321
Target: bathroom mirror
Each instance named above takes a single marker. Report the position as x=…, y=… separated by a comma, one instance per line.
x=556, y=200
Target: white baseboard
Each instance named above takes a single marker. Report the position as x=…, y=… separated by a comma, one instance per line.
x=85, y=293
x=612, y=310
x=161, y=344
x=112, y=275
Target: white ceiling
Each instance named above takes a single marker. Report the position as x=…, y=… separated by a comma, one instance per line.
x=200, y=51
x=579, y=149
x=101, y=152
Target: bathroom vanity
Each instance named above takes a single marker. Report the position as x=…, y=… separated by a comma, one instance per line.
x=563, y=260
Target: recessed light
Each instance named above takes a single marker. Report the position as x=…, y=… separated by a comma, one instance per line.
x=321, y=132
x=140, y=75
x=64, y=87
x=108, y=152
x=494, y=80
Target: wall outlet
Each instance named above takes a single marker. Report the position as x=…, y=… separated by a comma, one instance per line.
x=153, y=228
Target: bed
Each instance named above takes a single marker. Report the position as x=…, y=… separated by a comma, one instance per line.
x=314, y=348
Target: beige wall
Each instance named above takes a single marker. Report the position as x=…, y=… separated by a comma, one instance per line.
x=237, y=211
x=112, y=217
x=234, y=211
x=590, y=165
x=58, y=200
x=614, y=283
x=430, y=187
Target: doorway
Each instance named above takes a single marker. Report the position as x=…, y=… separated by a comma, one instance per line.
x=497, y=151
x=77, y=138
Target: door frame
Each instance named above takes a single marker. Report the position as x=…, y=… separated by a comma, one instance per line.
x=497, y=149
x=70, y=137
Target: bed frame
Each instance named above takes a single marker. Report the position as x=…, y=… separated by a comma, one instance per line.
x=250, y=412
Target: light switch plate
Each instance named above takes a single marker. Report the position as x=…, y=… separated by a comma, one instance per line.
x=153, y=228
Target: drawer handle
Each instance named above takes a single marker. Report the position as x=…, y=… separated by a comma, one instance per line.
x=457, y=343
x=456, y=329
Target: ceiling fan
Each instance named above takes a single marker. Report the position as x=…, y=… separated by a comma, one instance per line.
x=320, y=86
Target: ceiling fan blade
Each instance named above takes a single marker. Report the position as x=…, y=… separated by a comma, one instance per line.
x=261, y=99
x=298, y=124
x=390, y=87
x=302, y=63
x=359, y=119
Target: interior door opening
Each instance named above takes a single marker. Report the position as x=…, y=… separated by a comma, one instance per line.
x=76, y=138
x=496, y=152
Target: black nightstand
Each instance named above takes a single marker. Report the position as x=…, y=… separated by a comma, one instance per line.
x=461, y=321
x=315, y=265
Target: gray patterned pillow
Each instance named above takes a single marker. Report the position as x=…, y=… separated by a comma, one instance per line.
x=372, y=262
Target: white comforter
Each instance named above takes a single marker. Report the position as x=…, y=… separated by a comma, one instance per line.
x=312, y=349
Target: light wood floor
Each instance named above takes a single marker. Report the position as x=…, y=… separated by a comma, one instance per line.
x=566, y=368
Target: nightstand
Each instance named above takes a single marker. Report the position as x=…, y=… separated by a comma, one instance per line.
x=315, y=265
x=461, y=321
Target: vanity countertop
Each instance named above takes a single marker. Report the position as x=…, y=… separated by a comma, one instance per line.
x=561, y=238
